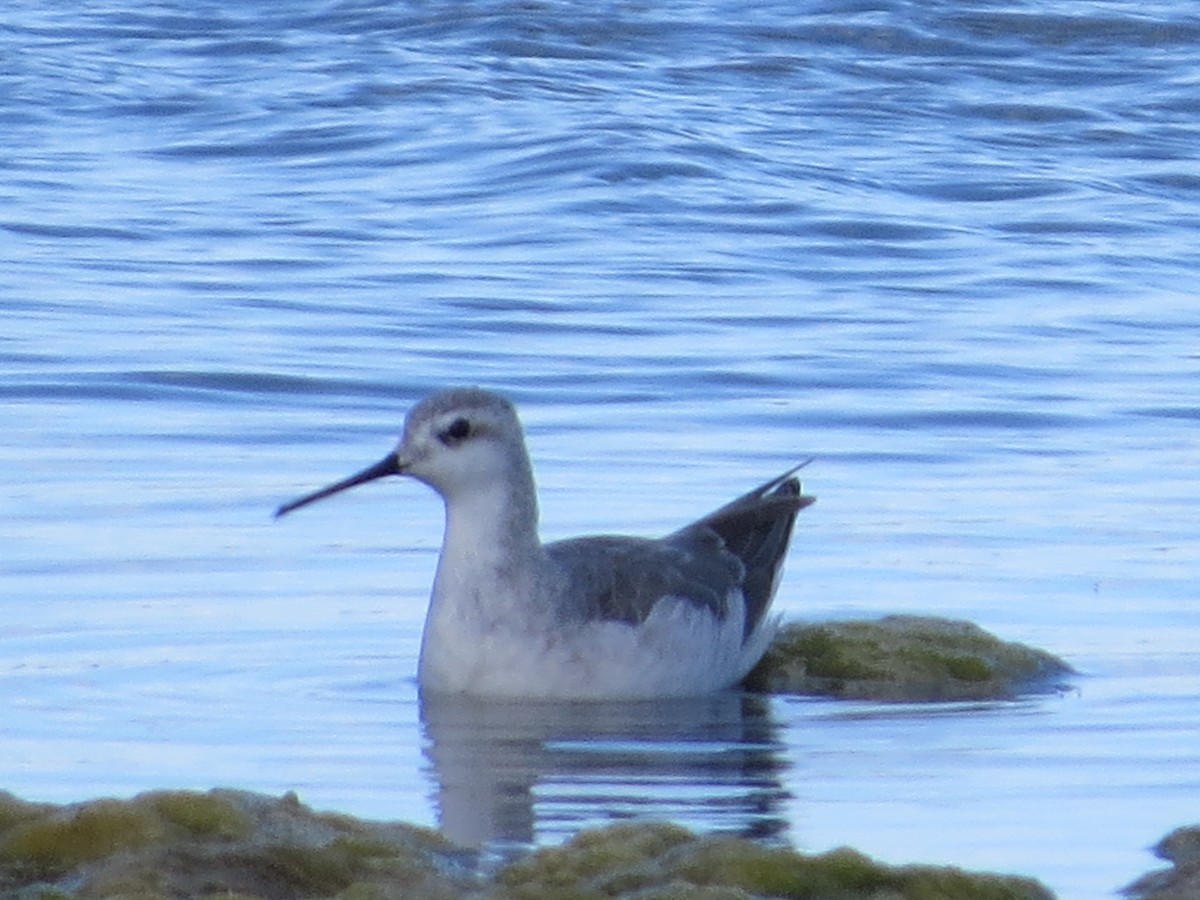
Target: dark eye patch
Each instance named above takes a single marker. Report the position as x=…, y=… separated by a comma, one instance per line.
x=456, y=432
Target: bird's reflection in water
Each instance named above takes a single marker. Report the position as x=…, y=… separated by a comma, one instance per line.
x=509, y=774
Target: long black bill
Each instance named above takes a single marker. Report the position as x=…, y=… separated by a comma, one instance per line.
x=389, y=465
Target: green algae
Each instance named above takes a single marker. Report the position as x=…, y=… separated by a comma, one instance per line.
x=14, y=810
x=773, y=872
x=604, y=862
x=903, y=658
x=663, y=861
x=48, y=845
x=41, y=841
x=201, y=815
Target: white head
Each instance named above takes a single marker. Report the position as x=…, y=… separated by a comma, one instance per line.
x=460, y=441
x=463, y=440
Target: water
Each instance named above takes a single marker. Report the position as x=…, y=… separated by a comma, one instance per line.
x=949, y=249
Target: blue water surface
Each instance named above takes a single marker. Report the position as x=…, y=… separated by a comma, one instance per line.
x=950, y=249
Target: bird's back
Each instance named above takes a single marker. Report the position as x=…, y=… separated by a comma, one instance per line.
x=736, y=550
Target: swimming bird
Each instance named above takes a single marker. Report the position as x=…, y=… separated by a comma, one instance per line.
x=604, y=617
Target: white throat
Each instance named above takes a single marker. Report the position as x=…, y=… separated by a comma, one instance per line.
x=486, y=582
x=490, y=544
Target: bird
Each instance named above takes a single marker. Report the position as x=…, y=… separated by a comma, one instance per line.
x=605, y=617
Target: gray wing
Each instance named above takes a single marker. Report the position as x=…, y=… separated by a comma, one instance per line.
x=738, y=547
x=757, y=528
x=621, y=578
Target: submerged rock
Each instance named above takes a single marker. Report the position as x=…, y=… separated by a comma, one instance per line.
x=1182, y=881
x=904, y=658
x=232, y=844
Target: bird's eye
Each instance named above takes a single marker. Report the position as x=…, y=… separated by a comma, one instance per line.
x=456, y=432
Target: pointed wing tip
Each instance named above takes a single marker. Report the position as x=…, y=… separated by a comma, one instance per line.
x=789, y=484
x=788, y=477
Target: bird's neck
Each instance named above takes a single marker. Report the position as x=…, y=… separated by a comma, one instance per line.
x=486, y=584
x=491, y=544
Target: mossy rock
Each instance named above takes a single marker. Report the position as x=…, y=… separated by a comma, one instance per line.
x=240, y=846
x=221, y=843
x=903, y=658
x=665, y=862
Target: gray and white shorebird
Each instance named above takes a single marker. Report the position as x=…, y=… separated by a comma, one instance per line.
x=605, y=617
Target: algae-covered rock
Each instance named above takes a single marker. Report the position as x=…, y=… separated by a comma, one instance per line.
x=1180, y=882
x=241, y=846
x=227, y=843
x=665, y=862
x=903, y=658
